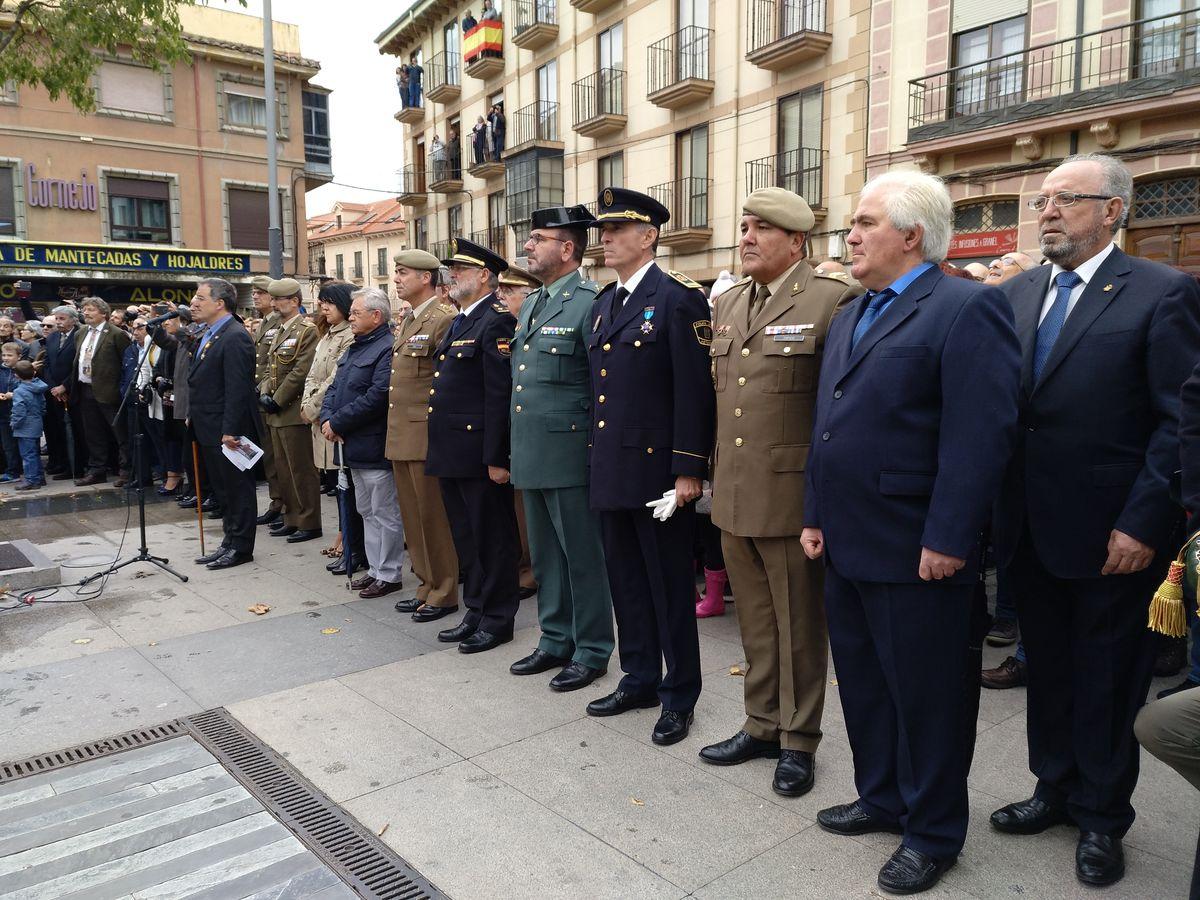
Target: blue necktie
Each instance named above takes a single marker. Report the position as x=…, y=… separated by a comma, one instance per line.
x=456, y=325
x=874, y=310
x=1052, y=325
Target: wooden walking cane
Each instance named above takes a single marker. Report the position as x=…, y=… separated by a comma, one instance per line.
x=199, y=498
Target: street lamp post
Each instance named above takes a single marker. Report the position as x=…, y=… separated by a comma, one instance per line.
x=274, y=231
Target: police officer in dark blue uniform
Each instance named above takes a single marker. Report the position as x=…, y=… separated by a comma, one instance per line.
x=469, y=447
x=652, y=432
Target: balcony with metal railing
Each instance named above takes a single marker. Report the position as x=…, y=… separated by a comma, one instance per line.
x=535, y=125
x=535, y=23
x=1143, y=66
x=687, y=199
x=410, y=115
x=593, y=250
x=446, y=174
x=444, y=78
x=595, y=7
x=680, y=68
x=600, y=103
x=782, y=33
x=483, y=49
x=801, y=171
x=494, y=238
x=412, y=186
x=441, y=249
x=380, y=271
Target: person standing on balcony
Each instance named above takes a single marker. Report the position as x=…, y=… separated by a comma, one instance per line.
x=497, y=122
x=414, y=81
x=490, y=12
x=479, y=141
x=437, y=156
x=468, y=22
x=454, y=154
x=402, y=84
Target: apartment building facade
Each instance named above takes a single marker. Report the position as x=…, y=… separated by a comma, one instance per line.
x=355, y=242
x=991, y=94
x=695, y=102
x=167, y=181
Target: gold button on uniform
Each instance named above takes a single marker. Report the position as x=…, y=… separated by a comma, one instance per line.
x=738, y=442
x=607, y=347
x=742, y=381
x=745, y=351
x=430, y=409
x=521, y=367
x=600, y=424
x=442, y=357
x=553, y=349
x=391, y=405
x=738, y=412
x=519, y=389
x=604, y=373
x=637, y=343
x=392, y=387
x=787, y=349
x=601, y=398
x=518, y=409
x=437, y=374
x=525, y=348
x=468, y=428
x=649, y=449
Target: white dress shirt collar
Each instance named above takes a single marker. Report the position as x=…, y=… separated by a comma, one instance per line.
x=1085, y=270
x=635, y=279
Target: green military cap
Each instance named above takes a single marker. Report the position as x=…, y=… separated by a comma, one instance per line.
x=417, y=259
x=515, y=276
x=284, y=287
x=781, y=207
x=260, y=282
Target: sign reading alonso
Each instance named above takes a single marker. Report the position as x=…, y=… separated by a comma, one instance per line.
x=121, y=259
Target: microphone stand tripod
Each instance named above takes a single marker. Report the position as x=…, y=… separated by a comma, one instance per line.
x=135, y=423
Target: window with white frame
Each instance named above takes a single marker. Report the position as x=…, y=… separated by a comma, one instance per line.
x=127, y=88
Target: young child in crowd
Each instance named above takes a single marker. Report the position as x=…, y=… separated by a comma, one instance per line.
x=28, y=411
x=10, y=353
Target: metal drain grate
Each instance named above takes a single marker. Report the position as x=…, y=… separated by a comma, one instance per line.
x=368, y=865
x=10, y=771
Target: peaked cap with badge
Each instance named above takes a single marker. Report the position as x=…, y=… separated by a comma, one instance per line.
x=468, y=253
x=617, y=206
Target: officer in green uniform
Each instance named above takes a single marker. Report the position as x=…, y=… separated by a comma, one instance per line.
x=288, y=360
x=550, y=408
x=267, y=326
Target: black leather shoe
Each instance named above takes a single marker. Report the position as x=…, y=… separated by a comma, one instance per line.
x=738, y=749
x=217, y=513
x=230, y=559
x=852, y=819
x=211, y=557
x=335, y=564
x=537, y=662
x=360, y=565
x=208, y=505
x=432, y=613
x=1032, y=816
x=1099, y=859
x=304, y=534
x=672, y=727
x=408, y=605
x=186, y=502
x=459, y=632
x=269, y=517
x=910, y=871
x=794, y=774
x=526, y=592
x=574, y=677
x=484, y=640
x=284, y=531
x=619, y=702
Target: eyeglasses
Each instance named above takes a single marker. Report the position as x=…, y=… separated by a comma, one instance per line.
x=537, y=239
x=1063, y=199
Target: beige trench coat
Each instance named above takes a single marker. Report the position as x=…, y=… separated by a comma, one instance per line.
x=329, y=350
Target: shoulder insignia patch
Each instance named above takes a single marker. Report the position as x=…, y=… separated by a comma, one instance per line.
x=611, y=284
x=704, y=332
x=836, y=276
x=499, y=307
x=447, y=308
x=683, y=279
x=504, y=346
x=307, y=323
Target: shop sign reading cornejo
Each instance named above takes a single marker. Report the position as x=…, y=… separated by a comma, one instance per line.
x=58, y=192
x=33, y=255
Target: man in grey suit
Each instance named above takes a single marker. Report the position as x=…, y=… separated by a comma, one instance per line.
x=550, y=402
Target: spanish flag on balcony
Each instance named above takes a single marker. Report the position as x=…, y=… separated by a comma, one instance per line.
x=488, y=35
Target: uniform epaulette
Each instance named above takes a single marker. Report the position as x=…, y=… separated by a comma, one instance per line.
x=684, y=280
x=446, y=308
x=307, y=323
x=588, y=284
x=744, y=280
x=499, y=307
x=836, y=276
x=607, y=286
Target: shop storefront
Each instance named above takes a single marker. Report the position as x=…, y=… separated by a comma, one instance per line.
x=49, y=274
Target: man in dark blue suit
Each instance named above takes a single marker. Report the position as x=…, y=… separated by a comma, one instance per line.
x=653, y=414
x=915, y=418
x=68, y=455
x=1085, y=516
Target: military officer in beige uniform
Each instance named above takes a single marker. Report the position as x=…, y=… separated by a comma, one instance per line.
x=267, y=327
x=289, y=358
x=768, y=336
x=426, y=528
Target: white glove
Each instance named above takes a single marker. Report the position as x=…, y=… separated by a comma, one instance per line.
x=664, y=508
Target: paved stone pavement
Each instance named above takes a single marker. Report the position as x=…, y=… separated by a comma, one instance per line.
x=493, y=786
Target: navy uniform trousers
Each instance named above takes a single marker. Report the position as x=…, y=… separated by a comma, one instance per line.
x=483, y=523
x=911, y=723
x=650, y=566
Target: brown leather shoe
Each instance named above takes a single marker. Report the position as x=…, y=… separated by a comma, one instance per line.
x=378, y=589
x=89, y=479
x=1009, y=674
x=359, y=583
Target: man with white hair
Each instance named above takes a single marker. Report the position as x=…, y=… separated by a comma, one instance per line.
x=355, y=414
x=916, y=413
x=62, y=463
x=1085, y=521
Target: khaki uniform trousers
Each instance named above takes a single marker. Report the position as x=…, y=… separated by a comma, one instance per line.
x=781, y=615
x=274, y=491
x=298, y=480
x=427, y=532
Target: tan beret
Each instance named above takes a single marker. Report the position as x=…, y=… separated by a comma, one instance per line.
x=781, y=208
x=515, y=276
x=418, y=259
x=260, y=282
x=284, y=287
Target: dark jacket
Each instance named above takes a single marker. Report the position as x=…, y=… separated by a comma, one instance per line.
x=60, y=356
x=29, y=408
x=653, y=406
x=1099, y=434
x=179, y=357
x=468, y=414
x=8, y=384
x=221, y=393
x=129, y=366
x=1189, y=446
x=356, y=404
x=913, y=429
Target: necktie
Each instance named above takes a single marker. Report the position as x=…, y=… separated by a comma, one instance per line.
x=874, y=310
x=761, y=293
x=456, y=325
x=1052, y=325
x=618, y=301
x=539, y=304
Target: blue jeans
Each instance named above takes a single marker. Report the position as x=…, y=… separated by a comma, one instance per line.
x=414, y=94
x=30, y=448
x=1006, y=605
